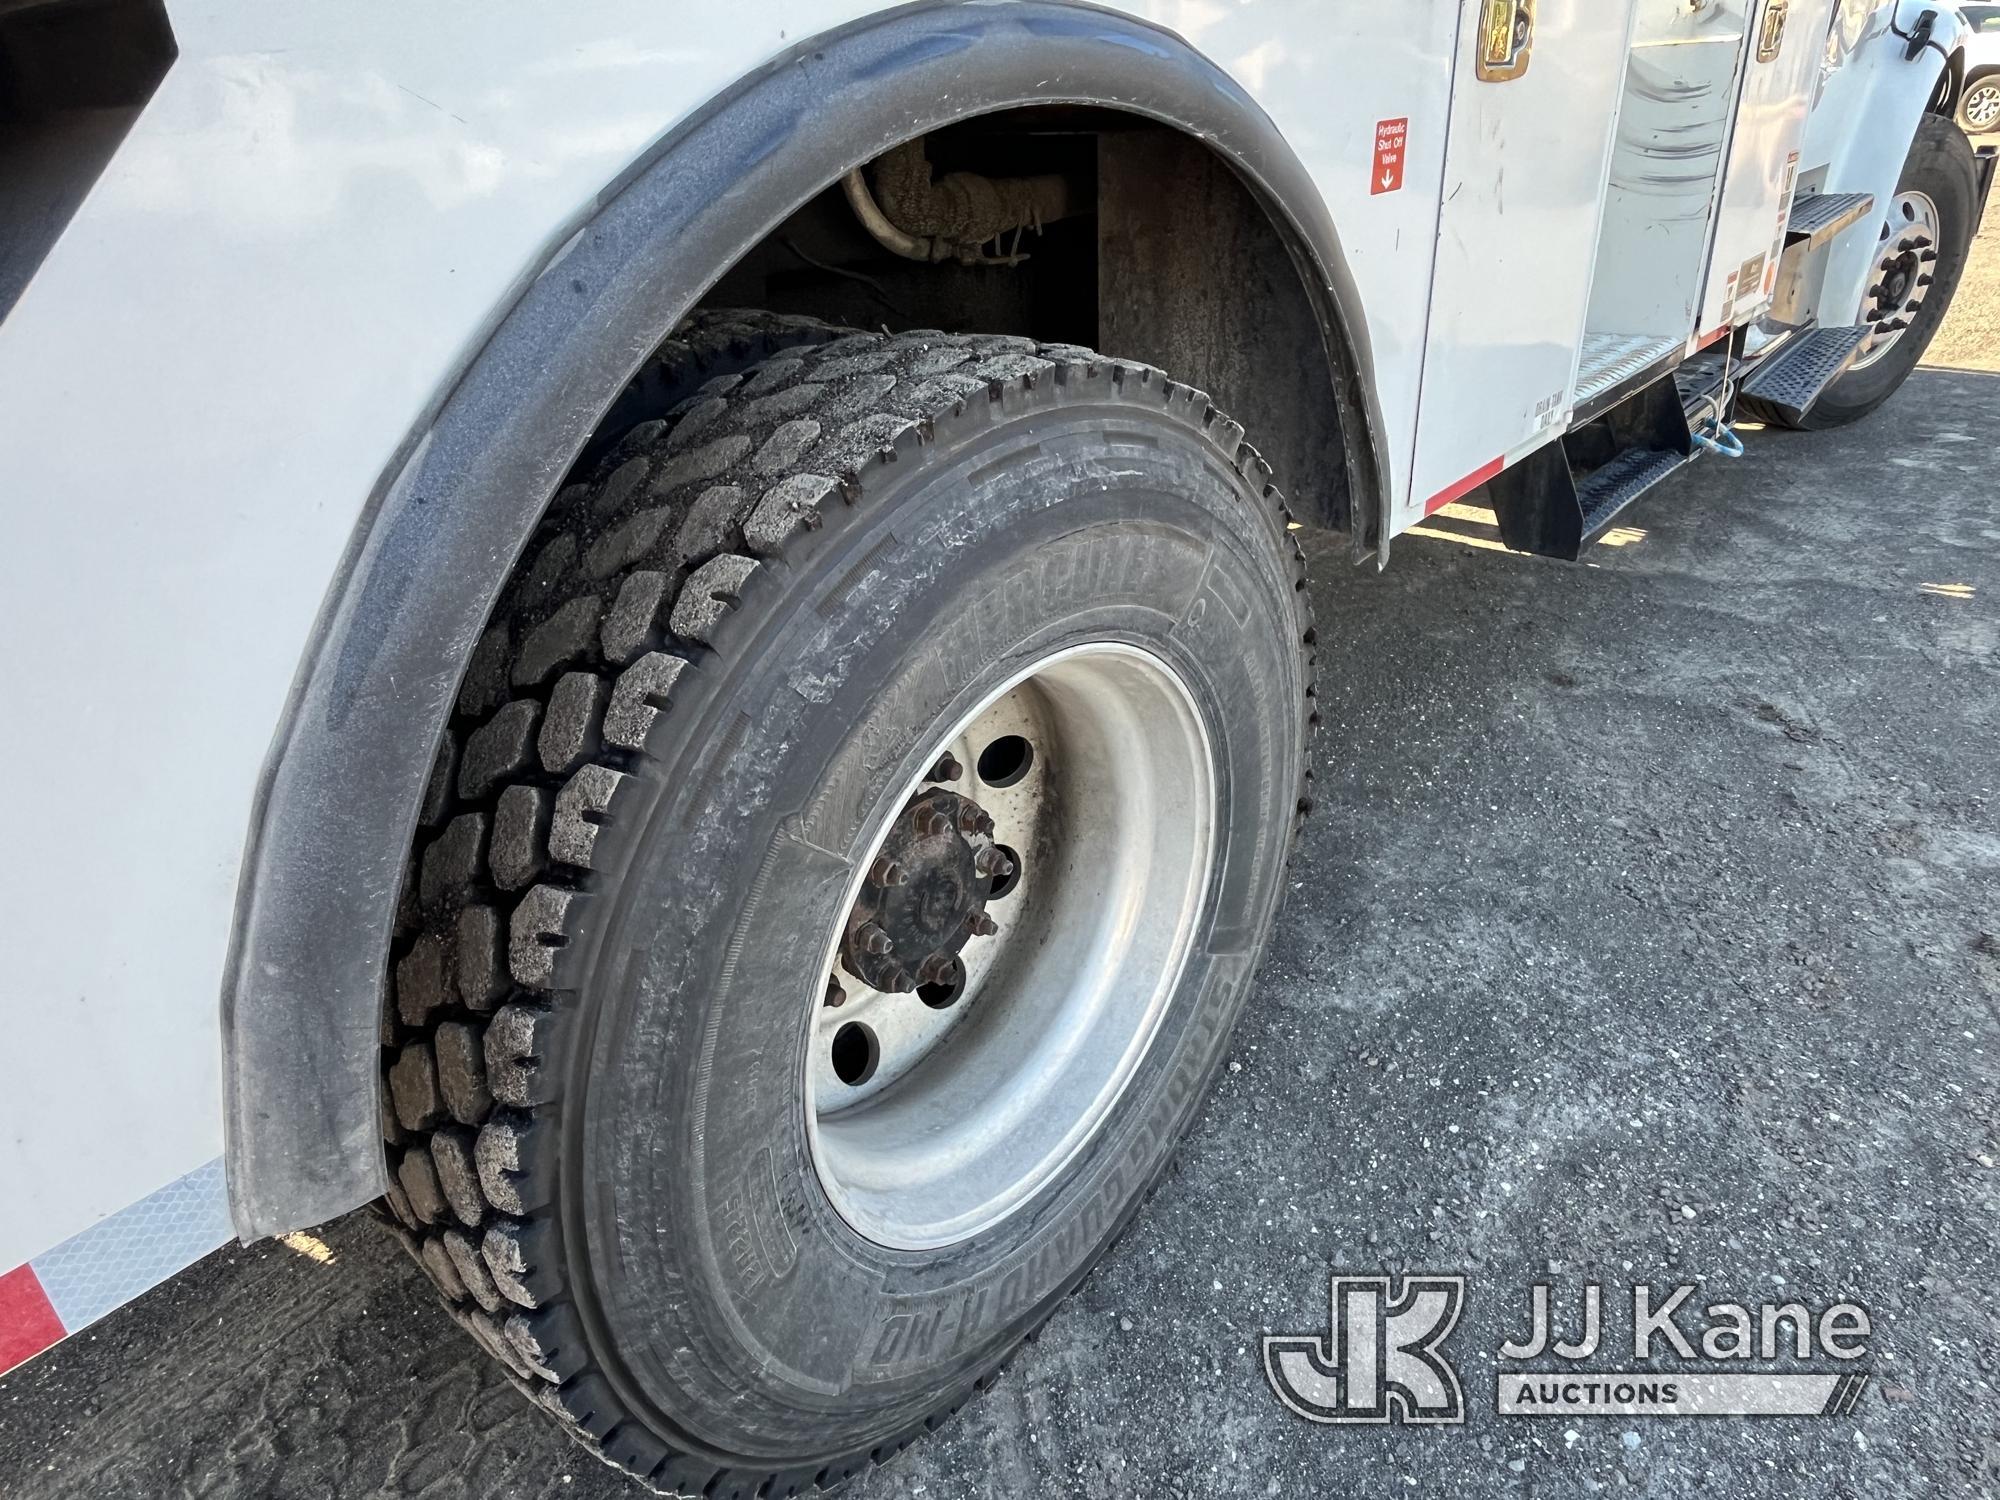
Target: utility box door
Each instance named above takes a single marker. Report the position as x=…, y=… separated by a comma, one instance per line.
x=1525, y=165
x=1674, y=125
x=1787, y=41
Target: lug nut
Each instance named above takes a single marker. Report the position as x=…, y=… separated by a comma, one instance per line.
x=835, y=995
x=887, y=872
x=990, y=861
x=947, y=769
x=930, y=822
x=981, y=925
x=874, y=939
x=898, y=982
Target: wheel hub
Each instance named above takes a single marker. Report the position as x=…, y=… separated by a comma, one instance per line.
x=925, y=894
x=1898, y=287
x=1904, y=271
x=1077, y=800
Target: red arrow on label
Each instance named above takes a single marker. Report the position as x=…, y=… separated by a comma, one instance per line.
x=1391, y=136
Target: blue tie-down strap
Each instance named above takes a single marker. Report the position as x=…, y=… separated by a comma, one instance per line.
x=1718, y=438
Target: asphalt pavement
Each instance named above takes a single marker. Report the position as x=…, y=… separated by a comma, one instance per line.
x=1648, y=930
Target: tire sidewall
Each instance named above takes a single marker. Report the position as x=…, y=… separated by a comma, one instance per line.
x=720, y=1276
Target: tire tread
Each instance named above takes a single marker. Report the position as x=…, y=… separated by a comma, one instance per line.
x=636, y=575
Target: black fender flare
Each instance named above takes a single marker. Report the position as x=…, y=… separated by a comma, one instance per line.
x=1951, y=85
x=337, y=802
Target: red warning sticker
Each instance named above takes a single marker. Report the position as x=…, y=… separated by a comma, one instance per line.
x=1390, y=138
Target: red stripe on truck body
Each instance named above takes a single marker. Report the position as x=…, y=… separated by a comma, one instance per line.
x=28, y=1324
x=1464, y=487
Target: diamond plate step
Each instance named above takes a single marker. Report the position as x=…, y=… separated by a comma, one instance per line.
x=1792, y=379
x=1817, y=217
x=1609, y=360
x=1606, y=491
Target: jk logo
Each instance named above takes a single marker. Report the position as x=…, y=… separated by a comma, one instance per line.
x=1379, y=1359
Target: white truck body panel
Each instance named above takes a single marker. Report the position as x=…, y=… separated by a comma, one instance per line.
x=322, y=211
x=1517, y=234
x=1764, y=154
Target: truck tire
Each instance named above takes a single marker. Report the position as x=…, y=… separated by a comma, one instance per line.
x=1928, y=234
x=854, y=841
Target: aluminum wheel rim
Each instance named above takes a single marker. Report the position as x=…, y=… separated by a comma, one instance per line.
x=1982, y=106
x=970, y=1110
x=1903, y=272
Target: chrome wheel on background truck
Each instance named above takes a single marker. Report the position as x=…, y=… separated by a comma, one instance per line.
x=840, y=887
x=1979, y=105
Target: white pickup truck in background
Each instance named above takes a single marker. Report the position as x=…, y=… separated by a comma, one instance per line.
x=670, y=639
x=1979, y=98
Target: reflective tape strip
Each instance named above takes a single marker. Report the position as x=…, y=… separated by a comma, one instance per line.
x=110, y=1263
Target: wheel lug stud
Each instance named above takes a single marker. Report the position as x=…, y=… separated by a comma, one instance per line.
x=981, y=925
x=874, y=939
x=990, y=861
x=887, y=872
x=947, y=769
x=899, y=982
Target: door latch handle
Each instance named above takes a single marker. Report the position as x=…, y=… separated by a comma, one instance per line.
x=1506, y=39
x=1771, y=39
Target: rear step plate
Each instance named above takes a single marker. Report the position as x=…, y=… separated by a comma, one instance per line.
x=1792, y=379
x=1818, y=217
x=1558, y=499
x=1604, y=492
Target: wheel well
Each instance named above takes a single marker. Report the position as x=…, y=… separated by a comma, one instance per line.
x=700, y=214
x=1161, y=253
x=1951, y=84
